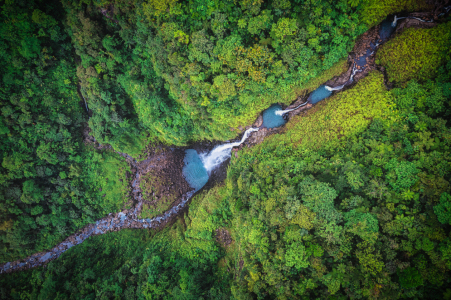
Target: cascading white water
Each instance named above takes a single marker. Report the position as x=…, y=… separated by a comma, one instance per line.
x=395, y=21
x=282, y=112
x=222, y=152
x=130, y=219
x=337, y=88
x=328, y=88
x=350, y=80
x=86, y=104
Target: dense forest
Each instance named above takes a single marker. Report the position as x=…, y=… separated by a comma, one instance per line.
x=351, y=199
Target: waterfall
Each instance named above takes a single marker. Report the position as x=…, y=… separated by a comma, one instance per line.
x=129, y=219
x=282, y=112
x=337, y=88
x=328, y=88
x=222, y=152
x=86, y=104
x=350, y=80
x=396, y=19
x=354, y=71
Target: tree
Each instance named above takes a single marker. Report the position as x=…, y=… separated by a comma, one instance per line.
x=283, y=30
x=223, y=88
x=402, y=174
x=296, y=256
x=410, y=278
x=443, y=209
x=319, y=197
x=31, y=192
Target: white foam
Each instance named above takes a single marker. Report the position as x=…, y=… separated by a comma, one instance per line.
x=222, y=152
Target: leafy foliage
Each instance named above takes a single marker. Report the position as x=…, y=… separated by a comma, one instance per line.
x=194, y=78
x=416, y=53
x=443, y=209
x=50, y=185
x=350, y=201
x=374, y=11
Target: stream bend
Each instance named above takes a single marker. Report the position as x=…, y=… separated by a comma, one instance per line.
x=198, y=167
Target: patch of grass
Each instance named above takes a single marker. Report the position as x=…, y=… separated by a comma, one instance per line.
x=343, y=115
x=105, y=173
x=416, y=53
x=151, y=183
x=374, y=11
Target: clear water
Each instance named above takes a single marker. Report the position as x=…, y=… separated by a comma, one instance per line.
x=319, y=94
x=271, y=119
x=195, y=167
x=386, y=29
x=362, y=60
x=194, y=170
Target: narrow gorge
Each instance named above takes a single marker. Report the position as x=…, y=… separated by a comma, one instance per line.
x=198, y=166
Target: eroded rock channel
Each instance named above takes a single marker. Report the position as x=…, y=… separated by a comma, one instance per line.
x=204, y=164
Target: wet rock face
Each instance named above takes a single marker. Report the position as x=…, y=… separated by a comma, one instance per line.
x=363, y=47
x=168, y=163
x=259, y=121
x=342, y=79
x=415, y=23
x=299, y=110
x=258, y=137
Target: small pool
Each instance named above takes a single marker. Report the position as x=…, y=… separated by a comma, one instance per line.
x=386, y=28
x=194, y=170
x=270, y=119
x=319, y=94
x=361, y=62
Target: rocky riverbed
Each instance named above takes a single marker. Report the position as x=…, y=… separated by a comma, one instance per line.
x=157, y=174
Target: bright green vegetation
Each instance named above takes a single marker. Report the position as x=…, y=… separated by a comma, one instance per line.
x=49, y=183
x=374, y=11
x=182, y=71
x=369, y=216
x=351, y=200
x=106, y=174
x=416, y=53
x=342, y=115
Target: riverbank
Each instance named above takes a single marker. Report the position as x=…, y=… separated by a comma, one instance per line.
x=169, y=164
